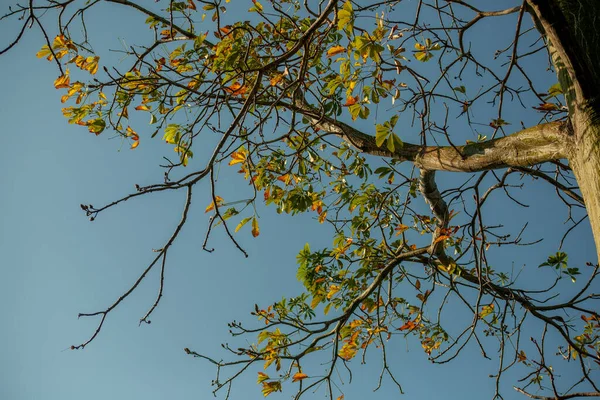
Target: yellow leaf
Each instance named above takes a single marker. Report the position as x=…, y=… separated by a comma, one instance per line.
x=131, y=133
x=348, y=351
x=322, y=217
x=335, y=50
x=211, y=206
x=238, y=156
x=262, y=377
x=91, y=64
x=255, y=230
x=270, y=387
x=299, y=376
x=63, y=81
x=142, y=107
x=333, y=289
x=315, y=302
x=44, y=52
x=400, y=228
x=486, y=310
x=276, y=79
x=135, y=144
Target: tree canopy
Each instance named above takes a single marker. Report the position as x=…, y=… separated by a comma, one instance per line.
x=405, y=129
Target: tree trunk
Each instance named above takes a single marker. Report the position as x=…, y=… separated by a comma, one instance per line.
x=584, y=158
x=570, y=28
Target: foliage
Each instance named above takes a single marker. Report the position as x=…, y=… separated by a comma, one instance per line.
x=268, y=97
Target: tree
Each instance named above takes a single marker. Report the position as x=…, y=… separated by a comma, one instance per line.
x=297, y=98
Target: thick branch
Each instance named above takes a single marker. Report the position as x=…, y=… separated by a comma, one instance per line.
x=535, y=145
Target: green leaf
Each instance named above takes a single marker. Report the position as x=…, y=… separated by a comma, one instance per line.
x=96, y=126
x=558, y=260
x=554, y=90
x=390, y=143
x=345, y=17
x=381, y=133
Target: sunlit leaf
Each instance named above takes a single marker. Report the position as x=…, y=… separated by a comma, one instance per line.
x=255, y=229
x=211, y=206
x=335, y=50
x=299, y=376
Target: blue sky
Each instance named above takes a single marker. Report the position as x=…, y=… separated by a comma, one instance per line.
x=55, y=263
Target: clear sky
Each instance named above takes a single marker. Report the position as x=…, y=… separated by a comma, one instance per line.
x=54, y=263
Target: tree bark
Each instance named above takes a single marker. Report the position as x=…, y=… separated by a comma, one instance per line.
x=584, y=159
x=570, y=28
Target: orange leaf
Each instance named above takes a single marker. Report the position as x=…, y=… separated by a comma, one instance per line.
x=400, y=228
x=238, y=157
x=135, y=144
x=63, y=81
x=142, y=107
x=255, y=230
x=236, y=89
x=441, y=238
x=276, y=79
x=284, y=178
x=335, y=50
x=191, y=5
x=408, y=326
x=546, y=107
x=299, y=376
x=351, y=101
x=211, y=206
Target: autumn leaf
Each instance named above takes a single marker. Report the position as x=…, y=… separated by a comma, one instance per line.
x=131, y=133
x=142, y=107
x=211, y=206
x=45, y=52
x=486, y=310
x=351, y=101
x=409, y=325
x=546, y=107
x=63, y=81
x=441, y=239
x=135, y=144
x=498, y=122
x=191, y=5
x=242, y=223
x=96, y=126
x=400, y=229
x=270, y=387
x=335, y=50
x=236, y=89
x=299, y=376
x=348, y=351
x=279, y=77
x=262, y=377
x=257, y=7
x=322, y=217
x=238, y=156
x=333, y=289
x=255, y=230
